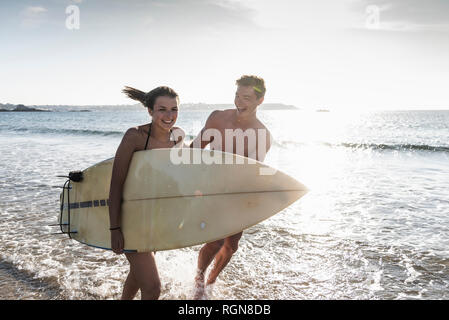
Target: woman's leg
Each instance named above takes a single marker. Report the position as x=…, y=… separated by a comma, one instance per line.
x=131, y=287
x=144, y=275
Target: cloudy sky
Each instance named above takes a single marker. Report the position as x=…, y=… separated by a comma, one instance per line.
x=347, y=54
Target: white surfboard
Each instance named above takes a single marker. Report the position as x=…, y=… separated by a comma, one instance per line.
x=168, y=205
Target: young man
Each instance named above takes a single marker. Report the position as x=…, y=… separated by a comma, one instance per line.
x=226, y=131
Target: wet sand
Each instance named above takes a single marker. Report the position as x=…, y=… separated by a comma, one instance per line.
x=19, y=284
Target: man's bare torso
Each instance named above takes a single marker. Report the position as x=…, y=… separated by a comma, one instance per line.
x=240, y=136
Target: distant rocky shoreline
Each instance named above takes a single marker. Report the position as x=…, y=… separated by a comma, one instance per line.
x=187, y=106
x=22, y=108
x=221, y=106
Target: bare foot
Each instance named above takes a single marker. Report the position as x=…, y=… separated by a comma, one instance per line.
x=208, y=291
x=200, y=293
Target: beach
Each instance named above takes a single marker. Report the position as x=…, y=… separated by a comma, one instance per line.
x=373, y=226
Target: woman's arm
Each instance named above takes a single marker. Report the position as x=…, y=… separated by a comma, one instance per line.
x=120, y=167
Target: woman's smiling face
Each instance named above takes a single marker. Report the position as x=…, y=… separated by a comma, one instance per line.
x=165, y=112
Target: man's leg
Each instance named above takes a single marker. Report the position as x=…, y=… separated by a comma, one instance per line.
x=205, y=257
x=223, y=257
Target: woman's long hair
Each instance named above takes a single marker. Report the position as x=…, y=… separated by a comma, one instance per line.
x=148, y=99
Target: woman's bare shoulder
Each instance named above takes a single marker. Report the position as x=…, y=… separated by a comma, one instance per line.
x=137, y=131
x=135, y=136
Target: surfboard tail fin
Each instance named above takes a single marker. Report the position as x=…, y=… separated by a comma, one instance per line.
x=75, y=176
x=65, y=225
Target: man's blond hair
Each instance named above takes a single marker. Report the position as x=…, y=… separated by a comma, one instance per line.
x=257, y=83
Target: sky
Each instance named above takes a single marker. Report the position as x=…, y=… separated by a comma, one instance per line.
x=321, y=54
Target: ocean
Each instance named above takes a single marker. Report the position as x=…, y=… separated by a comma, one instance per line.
x=375, y=224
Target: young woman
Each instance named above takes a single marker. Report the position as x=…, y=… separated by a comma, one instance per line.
x=162, y=104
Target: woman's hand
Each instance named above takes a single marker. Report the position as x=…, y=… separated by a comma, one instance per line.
x=117, y=241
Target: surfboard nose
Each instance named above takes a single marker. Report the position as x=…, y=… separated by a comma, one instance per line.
x=296, y=189
x=282, y=181
x=296, y=185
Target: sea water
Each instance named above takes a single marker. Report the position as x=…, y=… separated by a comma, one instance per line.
x=375, y=224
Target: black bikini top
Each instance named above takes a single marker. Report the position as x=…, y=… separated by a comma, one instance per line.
x=148, y=137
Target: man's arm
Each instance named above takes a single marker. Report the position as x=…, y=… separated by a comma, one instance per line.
x=264, y=145
x=202, y=140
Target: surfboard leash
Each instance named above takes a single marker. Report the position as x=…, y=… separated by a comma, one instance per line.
x=75, y=176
